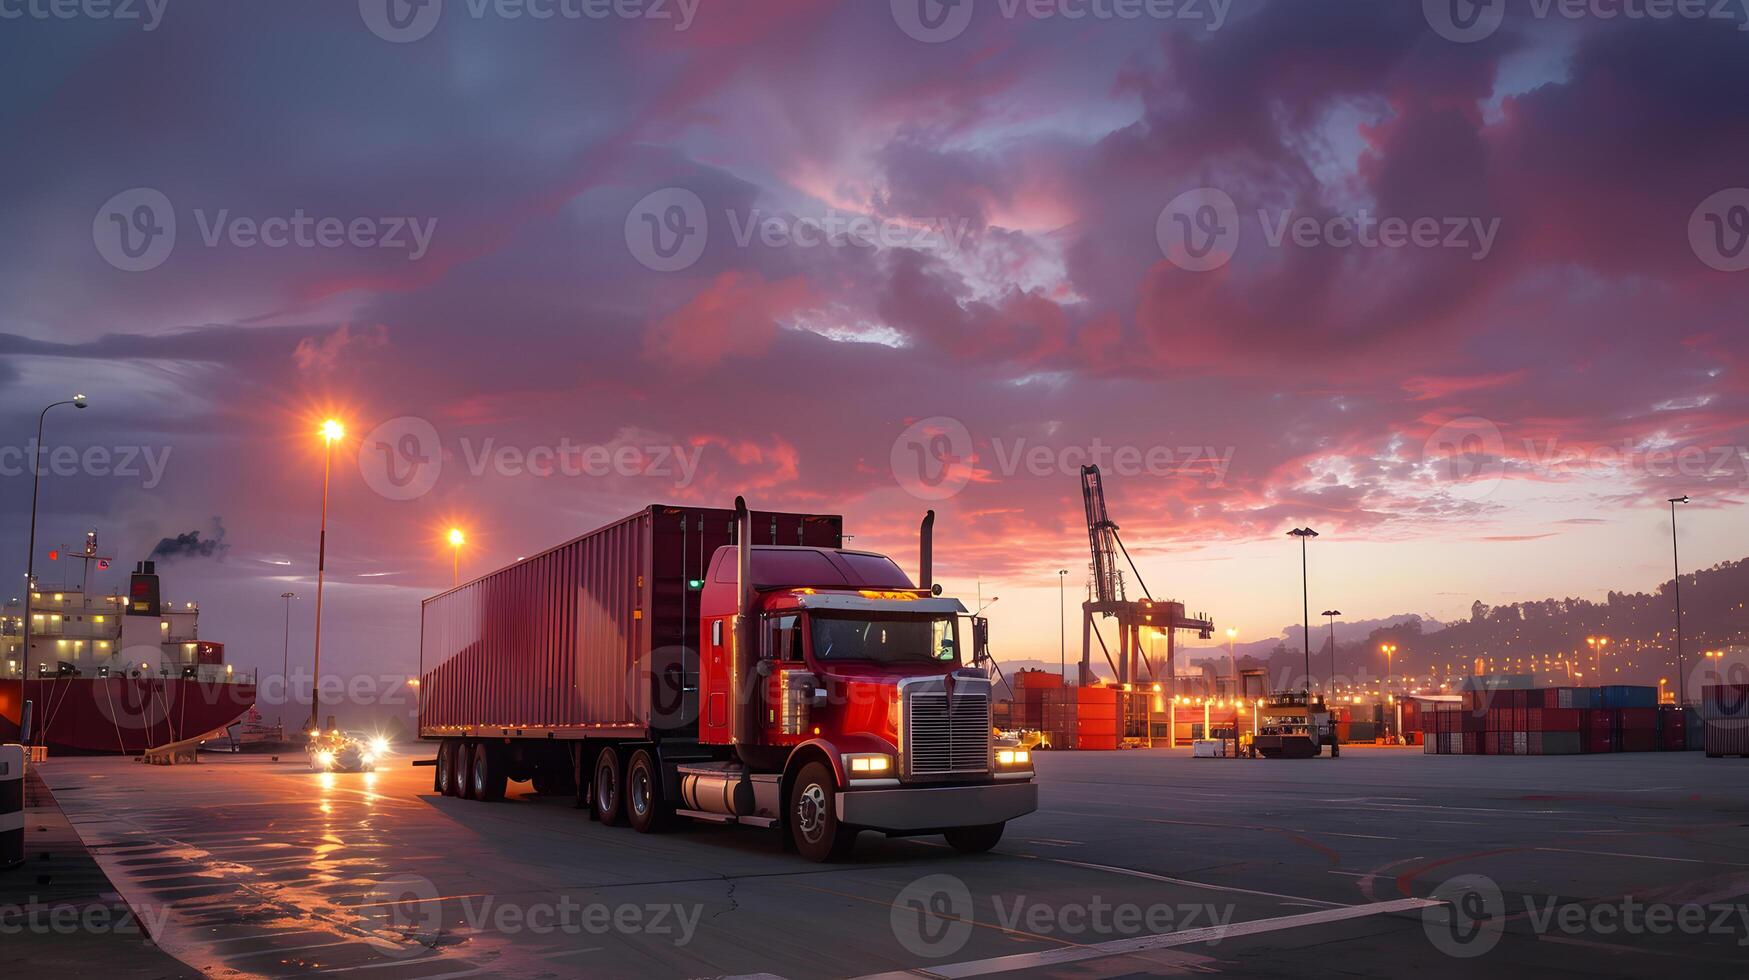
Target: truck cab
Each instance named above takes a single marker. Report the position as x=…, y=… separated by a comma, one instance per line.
x=863, y=703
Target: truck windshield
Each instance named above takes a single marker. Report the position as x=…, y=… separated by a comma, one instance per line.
x=885, y=639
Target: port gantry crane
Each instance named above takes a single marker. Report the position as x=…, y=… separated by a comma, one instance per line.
x=1108, y=599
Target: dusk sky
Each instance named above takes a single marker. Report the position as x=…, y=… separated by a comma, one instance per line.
x=1468, y=300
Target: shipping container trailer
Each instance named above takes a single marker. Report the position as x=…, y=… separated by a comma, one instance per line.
x=724, y=666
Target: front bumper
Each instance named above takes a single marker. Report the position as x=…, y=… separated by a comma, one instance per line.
x=917, y=808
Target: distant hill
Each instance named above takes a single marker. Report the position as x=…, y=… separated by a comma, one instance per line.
x=1544, y=636
x=1549, y=635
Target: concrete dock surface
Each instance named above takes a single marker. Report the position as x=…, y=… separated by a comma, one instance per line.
x=1384, y=862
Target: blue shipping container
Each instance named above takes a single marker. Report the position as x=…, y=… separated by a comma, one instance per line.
x=1629, y=696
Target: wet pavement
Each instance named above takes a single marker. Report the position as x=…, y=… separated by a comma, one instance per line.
x=1382, y=863
x=59, y=916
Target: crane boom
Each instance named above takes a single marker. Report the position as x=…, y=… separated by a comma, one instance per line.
x=1101, y=539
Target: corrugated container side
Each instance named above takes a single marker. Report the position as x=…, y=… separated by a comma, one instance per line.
x=1725, y=701
x=599, y=632
x=1727, y=736
x=550, y=642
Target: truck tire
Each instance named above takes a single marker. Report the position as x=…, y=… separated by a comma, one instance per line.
x=464, y=767
x=607, y=787
x=446, y=767
x=975, y=840
x=812, y=815
x=646, y=810
x=487, y=773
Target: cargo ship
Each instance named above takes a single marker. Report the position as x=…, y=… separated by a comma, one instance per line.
x=113, y=673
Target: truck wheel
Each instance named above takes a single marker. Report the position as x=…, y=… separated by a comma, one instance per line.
x=646, y=810
x=464, y=767
x=446, y=767
x=488, y=773
x=975, y=840
x=813, y=816
x=609, y=803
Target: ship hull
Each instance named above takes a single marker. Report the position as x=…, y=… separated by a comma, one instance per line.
x=121, y=715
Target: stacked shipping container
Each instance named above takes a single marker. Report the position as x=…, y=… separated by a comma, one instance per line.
x=1725, y=708
x=1553, y=721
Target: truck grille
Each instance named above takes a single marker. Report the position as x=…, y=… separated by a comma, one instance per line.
x=948, y=736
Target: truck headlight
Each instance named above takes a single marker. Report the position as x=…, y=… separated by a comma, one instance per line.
x=1014, y=758
x=379, y=746
x=324, y=759
x=868, y=765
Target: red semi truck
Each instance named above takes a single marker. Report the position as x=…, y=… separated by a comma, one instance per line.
x=723, y=666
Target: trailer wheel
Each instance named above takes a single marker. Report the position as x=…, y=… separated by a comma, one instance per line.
x=975, y=840
x=488, y=773
x=446, y=767
x=464, y=767
x=609, y=802
x=646, y=810
x=813, y=816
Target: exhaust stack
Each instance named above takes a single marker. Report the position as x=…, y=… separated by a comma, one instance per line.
x=926, y=552
x=743, y=681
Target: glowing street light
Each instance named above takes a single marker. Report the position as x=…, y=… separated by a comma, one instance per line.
x=332, y=432
x=456, y=539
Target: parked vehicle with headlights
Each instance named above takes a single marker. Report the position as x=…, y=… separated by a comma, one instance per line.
x=727, y=667
x=336, y=751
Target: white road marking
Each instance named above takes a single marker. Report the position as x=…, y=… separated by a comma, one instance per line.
x=1192, y=884
x=1143, y=944
x=1642, y=857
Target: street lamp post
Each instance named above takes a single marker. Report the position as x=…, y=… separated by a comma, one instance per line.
x=285, y=666
x=1303, y=533
x=456, y=539
x=1062, y=625
x=1332, y=613
x=1232, y=660
x=36, y=469
x=1676, y=590
x=1389, y=650
x=332, y=432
